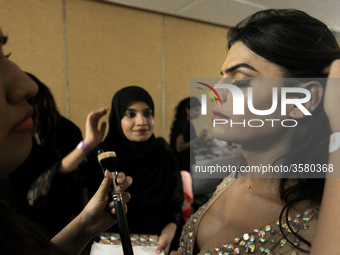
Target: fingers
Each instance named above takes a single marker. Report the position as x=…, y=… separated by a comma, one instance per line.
x=97, y=114
x=104, y=187
x=93, y=134
x=332, y=94
x=94, y=116
x=123, y=182
x=160, y=248
x=113, y=210
x=126, y=198
x=178, y=252
x=164, y=245
x=120, y=178
x=334, y=70
x=102, y=128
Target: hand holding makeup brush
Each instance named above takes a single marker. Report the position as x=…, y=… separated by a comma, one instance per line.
x=96, y=217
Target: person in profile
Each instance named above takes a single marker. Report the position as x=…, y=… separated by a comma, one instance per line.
x=18, y=234
x=53, y=137
x=274, y=212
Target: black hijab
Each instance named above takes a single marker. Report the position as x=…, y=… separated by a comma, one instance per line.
x=133, y=157
x=148, y=163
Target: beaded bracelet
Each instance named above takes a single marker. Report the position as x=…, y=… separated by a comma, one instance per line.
x=334, y=141
x=85, y=147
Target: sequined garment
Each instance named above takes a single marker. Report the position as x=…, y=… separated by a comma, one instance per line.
x=266, y=239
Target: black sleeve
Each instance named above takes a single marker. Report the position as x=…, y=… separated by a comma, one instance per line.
x=68, y=135
x=183, y=128
x=52, y=188
x=175, y=194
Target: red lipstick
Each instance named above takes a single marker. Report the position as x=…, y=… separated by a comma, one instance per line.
x=141, y=131
x=218, y=115
x=26, y=124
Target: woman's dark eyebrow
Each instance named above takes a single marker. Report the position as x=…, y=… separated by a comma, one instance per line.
x=134, y=110
x=241, y=65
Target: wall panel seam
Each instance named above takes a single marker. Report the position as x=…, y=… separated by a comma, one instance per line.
x=163, y=75
x=67, y=101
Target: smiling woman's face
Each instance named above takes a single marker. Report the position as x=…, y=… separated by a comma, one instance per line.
x=16, y=123
x=242, y=63
x=138, y=122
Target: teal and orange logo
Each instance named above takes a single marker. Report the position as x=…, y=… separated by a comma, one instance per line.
x=204, y=97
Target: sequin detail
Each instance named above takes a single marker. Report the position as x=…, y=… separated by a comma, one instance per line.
x=307, y=215
x=261, y=239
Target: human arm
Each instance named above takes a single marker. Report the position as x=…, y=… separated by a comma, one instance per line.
x=174, y=201
x=187, y=189
x=93, y=136
x=178, y=252
x=166, y=237
x=60, y=172
x=95, y=218
x=328, y=227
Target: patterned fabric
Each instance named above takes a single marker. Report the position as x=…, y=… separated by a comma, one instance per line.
x=40, y=188
x=268, y=239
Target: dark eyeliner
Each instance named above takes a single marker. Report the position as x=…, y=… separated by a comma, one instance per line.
x=242, y=82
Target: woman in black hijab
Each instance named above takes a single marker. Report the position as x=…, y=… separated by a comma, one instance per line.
x=156, y=192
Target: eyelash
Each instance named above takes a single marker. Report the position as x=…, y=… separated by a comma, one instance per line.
x=146, y=114
x=242, y=82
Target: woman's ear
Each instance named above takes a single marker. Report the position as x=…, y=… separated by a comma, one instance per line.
x=317, y=92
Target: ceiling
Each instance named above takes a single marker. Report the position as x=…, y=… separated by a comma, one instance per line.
x=230, y=12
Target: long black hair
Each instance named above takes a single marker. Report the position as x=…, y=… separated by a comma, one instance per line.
x=181, y=114
x=302, y=46
x=45, y=117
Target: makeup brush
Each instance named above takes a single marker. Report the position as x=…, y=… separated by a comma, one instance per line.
x=108, y=161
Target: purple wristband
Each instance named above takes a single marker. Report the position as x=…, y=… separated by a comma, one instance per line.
x=85, y=147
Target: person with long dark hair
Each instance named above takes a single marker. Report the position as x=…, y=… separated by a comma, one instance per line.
x=54, y=136
x=183, y=133
x=275, y=214
x=183, y=139
x=17, y=234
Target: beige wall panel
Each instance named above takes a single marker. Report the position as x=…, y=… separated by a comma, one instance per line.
x=192, y=50
x=35, y=30
x=107, y=47
x=110, y=47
